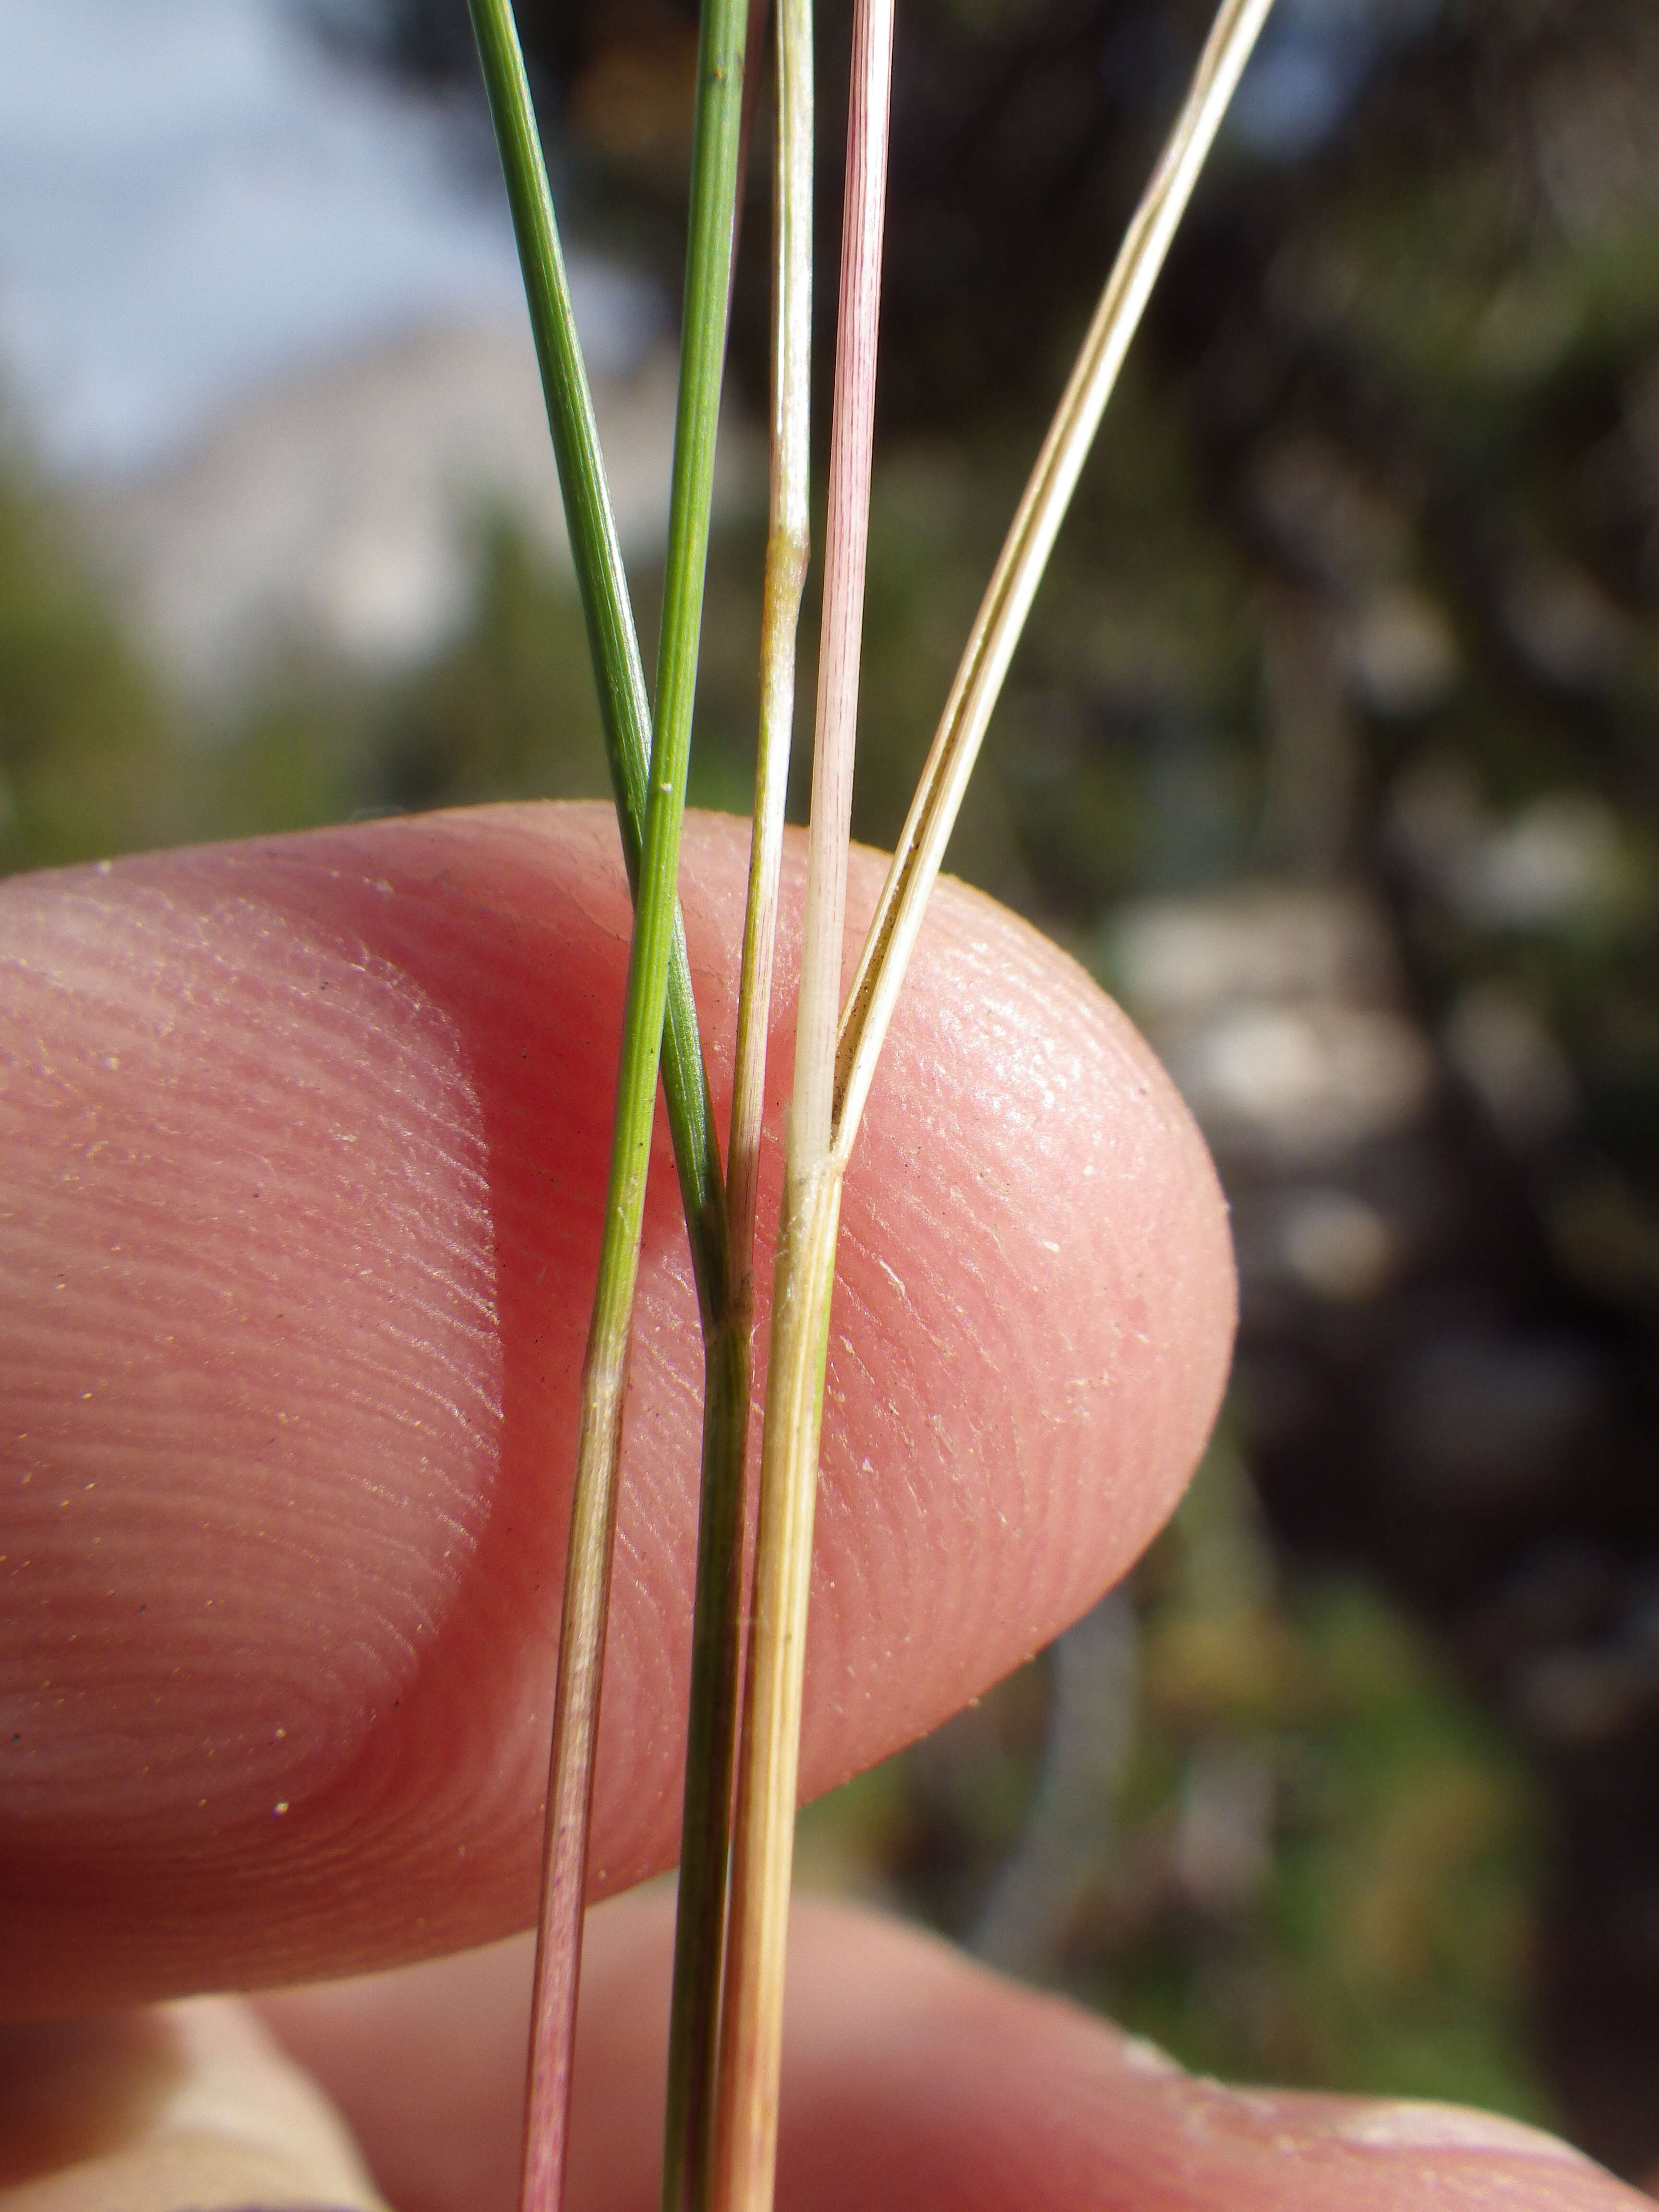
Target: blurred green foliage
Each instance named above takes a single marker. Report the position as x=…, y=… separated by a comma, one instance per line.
x=1385, y=1942
x=1320, y=1862
x=101, y=755
x=86, y=751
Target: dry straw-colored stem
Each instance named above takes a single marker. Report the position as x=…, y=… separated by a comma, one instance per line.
x=763, y=1843
x=825, y=1116
x=746, y=2123
x=570, y=1784
x=788, y=546
x=1024, y=555
x=846, y=528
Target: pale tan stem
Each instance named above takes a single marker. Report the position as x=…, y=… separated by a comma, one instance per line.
x=570, y=1776
x=1007, y=600
x=824, y=1117
x=751, y=2024
x=789, y=544
x=746, y=2115
x=786, y=576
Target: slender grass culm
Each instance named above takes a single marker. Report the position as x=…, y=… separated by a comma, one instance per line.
x=746, y=2127
x=722, y=2129
x=1024, y=555
x=657, y=939
x=717, y=1641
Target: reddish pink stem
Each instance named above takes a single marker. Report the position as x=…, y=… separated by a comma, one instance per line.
x=847, y=533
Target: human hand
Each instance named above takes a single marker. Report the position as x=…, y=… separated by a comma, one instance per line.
x=304, y=1146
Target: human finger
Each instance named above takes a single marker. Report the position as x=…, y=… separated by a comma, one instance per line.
x=913, y=2080
x=299, y=1203
x=191, y=2104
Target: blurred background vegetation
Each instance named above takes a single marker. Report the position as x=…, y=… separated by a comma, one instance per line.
x=1334, y=749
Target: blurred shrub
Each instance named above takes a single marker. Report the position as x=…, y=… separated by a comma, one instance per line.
x=1316, y=1860
x=86, y=761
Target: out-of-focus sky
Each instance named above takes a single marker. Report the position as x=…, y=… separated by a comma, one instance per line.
x=196, y=198
x=1311, y=65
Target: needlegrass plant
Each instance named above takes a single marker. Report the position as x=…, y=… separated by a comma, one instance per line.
x=747, y=1674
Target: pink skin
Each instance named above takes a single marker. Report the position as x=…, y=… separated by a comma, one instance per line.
x=913, y=2083
x=306, y=1142
x=304, y=1145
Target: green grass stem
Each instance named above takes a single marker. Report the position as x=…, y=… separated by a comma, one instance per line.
x=613, y=642
x=656, y=940
x=716, y=1677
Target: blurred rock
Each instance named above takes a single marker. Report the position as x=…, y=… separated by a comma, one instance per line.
x=1559, y=864
x=1555, y=864
x=1302, y=1084
x=1337, y=1246
x=1566, y=627
x=1271, y=1006
x=339, y=512
x=1471, y=1412
x=1498, y=1043
x=1402, y=656
x=1175, y=958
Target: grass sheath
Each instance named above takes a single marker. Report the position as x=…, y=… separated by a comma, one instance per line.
x=657, y=950
x=747, y=2116
x=1024, y=555
x=788, y=547
x=745, y=2132
x=717, y=1632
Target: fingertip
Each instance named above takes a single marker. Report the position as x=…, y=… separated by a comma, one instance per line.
x=913, y=2081
x=916, y=2079
x=304, y=1180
